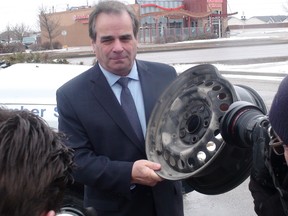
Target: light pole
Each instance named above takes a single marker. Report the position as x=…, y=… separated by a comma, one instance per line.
x=64, y=33
x=243, y=18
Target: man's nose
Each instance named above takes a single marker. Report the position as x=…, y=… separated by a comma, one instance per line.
x=118, y=47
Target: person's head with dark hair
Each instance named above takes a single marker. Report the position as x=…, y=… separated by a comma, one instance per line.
x=35, y=165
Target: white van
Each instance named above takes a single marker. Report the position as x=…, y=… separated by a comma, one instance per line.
x=33, y=87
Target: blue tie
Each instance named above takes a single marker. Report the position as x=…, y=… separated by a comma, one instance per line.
x=129, y=107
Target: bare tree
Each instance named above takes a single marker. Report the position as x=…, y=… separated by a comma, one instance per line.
x=49, y=25
x=20, y=31
x=8, y=33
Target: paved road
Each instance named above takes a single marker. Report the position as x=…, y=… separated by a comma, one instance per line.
x=225, y=55
x=237, y=202
x=246, y=53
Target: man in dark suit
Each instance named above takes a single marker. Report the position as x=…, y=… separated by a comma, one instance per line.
x=109, y=151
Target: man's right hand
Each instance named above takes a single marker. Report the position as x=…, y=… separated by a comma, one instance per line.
x=143, y=172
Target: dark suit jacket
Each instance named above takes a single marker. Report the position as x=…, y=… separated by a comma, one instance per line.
x=106, y=145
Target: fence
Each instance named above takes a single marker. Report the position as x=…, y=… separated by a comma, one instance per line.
x=169, y=35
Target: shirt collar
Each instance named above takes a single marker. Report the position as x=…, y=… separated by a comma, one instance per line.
x=112, y=78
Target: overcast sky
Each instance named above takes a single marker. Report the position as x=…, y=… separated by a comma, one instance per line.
x=25, y=11
x=251, y=8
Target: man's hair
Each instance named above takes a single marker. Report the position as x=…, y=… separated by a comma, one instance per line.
x=111, y=7
x=35, y=165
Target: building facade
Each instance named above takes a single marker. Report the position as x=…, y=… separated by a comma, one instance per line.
x=71, y=27
x=160, y=21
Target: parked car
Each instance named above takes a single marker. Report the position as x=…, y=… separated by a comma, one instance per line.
x=27, y=41
x=3, y=41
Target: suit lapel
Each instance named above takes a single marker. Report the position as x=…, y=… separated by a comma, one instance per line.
x=111, y=105
x=147, y=80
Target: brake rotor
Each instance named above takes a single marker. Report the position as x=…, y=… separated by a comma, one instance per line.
x=183, y=132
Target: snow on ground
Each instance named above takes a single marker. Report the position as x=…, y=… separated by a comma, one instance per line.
x=272, y=67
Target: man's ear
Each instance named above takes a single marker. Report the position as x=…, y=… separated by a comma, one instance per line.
x=93, y=43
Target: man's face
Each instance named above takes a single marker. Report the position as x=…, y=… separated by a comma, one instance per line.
x=115, y=45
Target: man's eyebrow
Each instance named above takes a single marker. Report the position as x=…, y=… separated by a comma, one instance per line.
x=105, y=38
x=109, y=37
x=126, y=36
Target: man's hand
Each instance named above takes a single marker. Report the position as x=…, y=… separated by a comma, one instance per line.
x=143, y=172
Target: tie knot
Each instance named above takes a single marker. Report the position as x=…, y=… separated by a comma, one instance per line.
x=123, y=81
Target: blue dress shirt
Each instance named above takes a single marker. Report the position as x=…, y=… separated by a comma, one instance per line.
x=135, y=87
